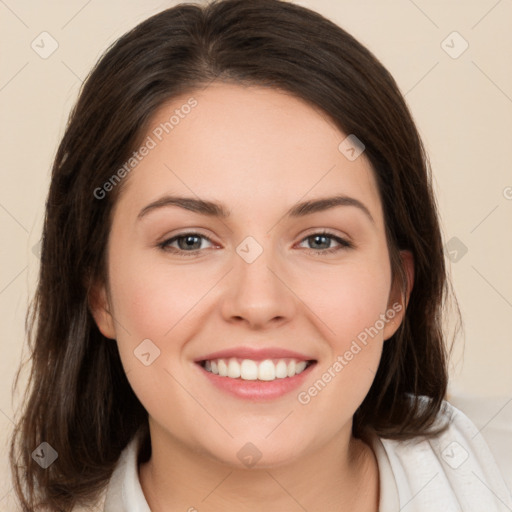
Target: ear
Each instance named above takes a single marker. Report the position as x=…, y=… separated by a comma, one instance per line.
x=397, y=303
x=100, y=310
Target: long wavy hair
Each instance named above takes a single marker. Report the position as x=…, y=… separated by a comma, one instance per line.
x=78, y=398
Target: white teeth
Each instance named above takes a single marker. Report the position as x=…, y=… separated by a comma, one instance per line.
x=223, y=369
x=281, y=370
x=266, y=370
x=291, y=368
x=300, y=367
x=233, y=369
x=247, y=369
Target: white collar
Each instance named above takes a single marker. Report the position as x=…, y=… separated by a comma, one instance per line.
x=422, y=474
x=124, y=493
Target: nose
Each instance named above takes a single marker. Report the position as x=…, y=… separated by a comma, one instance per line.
x=258, y=293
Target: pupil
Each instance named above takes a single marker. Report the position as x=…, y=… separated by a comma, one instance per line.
x=319, y=237
x=190, y=240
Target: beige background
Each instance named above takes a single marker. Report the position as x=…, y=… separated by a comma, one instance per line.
x=463, y=108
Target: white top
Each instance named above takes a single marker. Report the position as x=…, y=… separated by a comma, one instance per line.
x=455, y=472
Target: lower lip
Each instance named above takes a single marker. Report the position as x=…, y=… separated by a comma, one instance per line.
x=257, y=390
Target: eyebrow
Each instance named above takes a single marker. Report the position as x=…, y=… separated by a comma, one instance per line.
x=213, y=209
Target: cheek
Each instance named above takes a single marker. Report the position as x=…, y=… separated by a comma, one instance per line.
x=151, y=299
x=348, y=299
x=154, y=303
x=349, y=303
x=163, y=303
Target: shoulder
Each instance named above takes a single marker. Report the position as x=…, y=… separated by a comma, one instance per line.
x=454, y=470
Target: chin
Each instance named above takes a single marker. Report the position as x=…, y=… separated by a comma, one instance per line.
x=253, y=452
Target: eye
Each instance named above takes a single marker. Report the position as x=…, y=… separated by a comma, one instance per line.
x=325, y=238
x=186, y=243
x=190, y=244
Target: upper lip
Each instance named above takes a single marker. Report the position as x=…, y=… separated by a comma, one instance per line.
x=257, y=354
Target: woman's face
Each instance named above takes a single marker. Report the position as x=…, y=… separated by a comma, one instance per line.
x=261, y=283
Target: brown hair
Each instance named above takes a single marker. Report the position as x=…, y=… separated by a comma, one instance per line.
x=78, y=397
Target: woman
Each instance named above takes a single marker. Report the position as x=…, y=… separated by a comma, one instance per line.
x=241, y=284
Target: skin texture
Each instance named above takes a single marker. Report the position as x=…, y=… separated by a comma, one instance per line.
x=258, y=151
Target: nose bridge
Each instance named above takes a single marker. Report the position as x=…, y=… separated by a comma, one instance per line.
x=256, y=293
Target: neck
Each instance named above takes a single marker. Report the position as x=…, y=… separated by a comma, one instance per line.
x=339, y=476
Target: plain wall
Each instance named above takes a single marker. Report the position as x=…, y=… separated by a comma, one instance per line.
x=462, y=106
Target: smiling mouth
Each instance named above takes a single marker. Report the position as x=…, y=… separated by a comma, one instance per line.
x=249, y=369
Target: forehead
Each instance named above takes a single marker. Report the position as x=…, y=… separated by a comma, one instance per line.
x=249, y=147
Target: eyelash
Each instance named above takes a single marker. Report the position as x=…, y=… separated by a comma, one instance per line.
x=344, y=244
